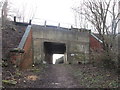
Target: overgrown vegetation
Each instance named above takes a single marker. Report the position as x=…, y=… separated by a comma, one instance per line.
x=87, y=77
x=12, y=76
x=104, y=59
x=104, y=18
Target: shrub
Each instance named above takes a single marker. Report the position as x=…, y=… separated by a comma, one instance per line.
x=105, y=59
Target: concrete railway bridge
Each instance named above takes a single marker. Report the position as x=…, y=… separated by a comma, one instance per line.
x=73, y=43
x=39, y=43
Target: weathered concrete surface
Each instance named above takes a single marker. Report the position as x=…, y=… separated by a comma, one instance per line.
x=77, y=42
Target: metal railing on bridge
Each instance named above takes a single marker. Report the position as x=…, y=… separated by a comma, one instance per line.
x=44, y=22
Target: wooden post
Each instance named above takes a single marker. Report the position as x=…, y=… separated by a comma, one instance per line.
x=30, y=22
x=14, y=19
x=45, y=23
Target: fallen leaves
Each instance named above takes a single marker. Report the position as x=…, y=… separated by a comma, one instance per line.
x=32, y=77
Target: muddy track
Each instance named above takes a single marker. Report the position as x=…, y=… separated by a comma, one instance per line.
x=58, y=76
x=63, y=76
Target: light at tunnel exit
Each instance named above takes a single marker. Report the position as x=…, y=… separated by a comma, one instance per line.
x=56, y=56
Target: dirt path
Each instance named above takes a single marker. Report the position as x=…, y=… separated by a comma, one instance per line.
x=63, y=76
x=58, y=76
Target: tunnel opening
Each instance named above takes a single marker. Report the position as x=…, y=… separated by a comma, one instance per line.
x=53, y=48
x=58, y=58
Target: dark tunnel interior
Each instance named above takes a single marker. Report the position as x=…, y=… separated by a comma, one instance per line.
x=51, y=48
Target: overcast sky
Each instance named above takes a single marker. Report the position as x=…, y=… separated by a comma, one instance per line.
x=54, y=11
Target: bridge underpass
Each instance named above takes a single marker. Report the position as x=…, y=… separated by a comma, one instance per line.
x=72, y=42
x=51, y=48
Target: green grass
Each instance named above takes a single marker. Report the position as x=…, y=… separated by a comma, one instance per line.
x=114, y=84
x=18, y=74
x=35, y=70
x=9, y=82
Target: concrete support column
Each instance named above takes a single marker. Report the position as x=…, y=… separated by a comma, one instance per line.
x=67, y=53
x=65, y=58
x=37, y=51
x=42, y=51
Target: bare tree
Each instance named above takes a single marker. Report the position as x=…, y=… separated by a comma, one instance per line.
x=98, y=13
x=115, y=18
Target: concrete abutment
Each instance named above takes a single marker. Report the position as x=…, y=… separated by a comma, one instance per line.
x=48, y=41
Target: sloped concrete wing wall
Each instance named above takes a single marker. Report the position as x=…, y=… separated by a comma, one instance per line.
x=22, y=56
